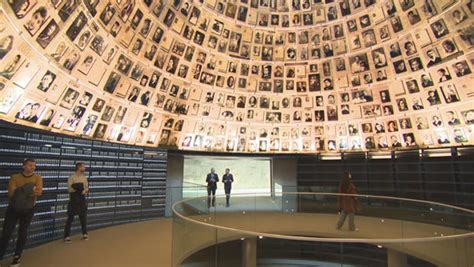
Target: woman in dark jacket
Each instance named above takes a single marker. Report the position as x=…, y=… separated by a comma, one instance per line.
x=347, y=204
x=78, y=187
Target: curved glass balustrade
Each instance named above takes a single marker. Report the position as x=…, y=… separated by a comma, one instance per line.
x=299, y=229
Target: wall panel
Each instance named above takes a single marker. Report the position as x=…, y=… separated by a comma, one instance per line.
x=127, y=183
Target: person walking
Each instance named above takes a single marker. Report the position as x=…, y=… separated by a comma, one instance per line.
x=347, y=204
x=78, y=187
x=23, y=189
x=227, y=179
x=211, y=180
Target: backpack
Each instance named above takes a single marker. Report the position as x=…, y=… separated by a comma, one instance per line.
x=23, y=198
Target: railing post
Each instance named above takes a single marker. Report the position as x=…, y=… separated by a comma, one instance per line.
x=249, y=252
x=396, y=258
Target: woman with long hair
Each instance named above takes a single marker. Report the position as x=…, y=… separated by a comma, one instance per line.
x=78, y=187
x=347, y=204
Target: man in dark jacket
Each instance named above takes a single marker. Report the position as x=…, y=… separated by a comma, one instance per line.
x=227, y=179
x=211, y=180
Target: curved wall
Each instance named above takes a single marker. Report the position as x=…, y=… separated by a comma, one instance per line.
x=434, y=175
x=249, y=76
x=127, y=183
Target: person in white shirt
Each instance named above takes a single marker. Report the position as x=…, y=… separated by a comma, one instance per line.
x=78, y=187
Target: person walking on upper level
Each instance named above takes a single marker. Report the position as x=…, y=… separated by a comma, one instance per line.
x=23, y=189
x=347, y=204
x=227, y=179
x=77, y=187
x=211, y=180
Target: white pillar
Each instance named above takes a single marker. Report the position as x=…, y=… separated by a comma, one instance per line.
x=249, y=252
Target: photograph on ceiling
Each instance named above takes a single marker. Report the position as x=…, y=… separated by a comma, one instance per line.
x=76, y=27
x=89, y=124
x=146, y=28
x=433, y=97
x=69, y=98
x=124, y=64
x=6, y=44
x=29, y=112
x=107, y=14
x=67, y=9
x=46, y=81
x=436, y=120
x=86, y=64
x=146, y=120
x=461, y=68
x=71, y=59
x=449, y=48
x=412, y=86
x=442, y=137
x=47, y=117
x=136, y=74
x=399, y=66
x=121, y=133
x=109, y=56
x=36, y=21
x=12, y=65
x=417, y=103
x=422, y=123
x=409, y=140
x=59, y=121
x=108, y=113
x=21, y=8
x=86, y=98
x=451, y=118
x=151, y=139
x=91, y=6
x=74, y=119
x=359, y=63
x=59, y=51
x=83, y=39
x=459, y=136
x=98, y=105
x=468, y=116
x=450, y=93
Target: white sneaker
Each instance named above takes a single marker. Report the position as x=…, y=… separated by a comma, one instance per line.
x=67, y=240
x=85, y=237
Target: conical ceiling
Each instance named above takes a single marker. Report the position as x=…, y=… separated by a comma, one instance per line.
x=269, y=76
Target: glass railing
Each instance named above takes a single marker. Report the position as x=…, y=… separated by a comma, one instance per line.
x=186, y=191
x=299, y=229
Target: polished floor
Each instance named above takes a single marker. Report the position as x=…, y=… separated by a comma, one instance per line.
x=149, y=243
x=143, y=244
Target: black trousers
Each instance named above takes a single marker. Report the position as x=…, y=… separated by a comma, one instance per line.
x=211, y=195
x=70, y=219
x=227, y=189
x=11, y=218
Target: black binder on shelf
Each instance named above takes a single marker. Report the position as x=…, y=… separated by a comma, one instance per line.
x=116, y=176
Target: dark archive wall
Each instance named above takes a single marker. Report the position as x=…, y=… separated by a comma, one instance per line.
x=127, y=183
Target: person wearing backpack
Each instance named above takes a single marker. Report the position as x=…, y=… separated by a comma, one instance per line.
x=23, y=189
x=78, y=188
